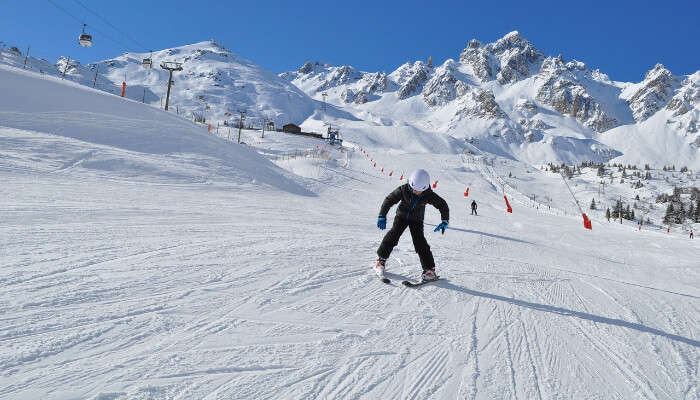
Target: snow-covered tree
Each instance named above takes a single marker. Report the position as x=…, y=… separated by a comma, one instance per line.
x=601, y=170
x=593, y=204
x=679, y=214
x=668, y=217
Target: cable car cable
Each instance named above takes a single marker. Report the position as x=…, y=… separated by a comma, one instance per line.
x=111, y=25
x=122, y=45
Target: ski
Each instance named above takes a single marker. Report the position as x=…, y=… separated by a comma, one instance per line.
x=416, y=284
x=384, y=280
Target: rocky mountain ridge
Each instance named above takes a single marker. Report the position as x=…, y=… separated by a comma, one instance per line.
x=517, y=92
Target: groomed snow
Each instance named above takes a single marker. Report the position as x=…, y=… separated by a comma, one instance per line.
x=119, y=286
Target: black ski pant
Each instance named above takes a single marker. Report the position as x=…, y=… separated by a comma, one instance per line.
x=391, y=239
x=474, y=211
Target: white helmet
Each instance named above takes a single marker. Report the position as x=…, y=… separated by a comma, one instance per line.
x=419, y=180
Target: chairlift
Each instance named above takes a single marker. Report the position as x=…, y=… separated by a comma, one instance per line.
x=148, y=62
x=85, y=39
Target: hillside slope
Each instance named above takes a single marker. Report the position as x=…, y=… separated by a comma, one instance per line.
x=122, y=134
x=120, y=290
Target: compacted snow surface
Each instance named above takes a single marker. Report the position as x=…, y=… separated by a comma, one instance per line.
x=181, y=273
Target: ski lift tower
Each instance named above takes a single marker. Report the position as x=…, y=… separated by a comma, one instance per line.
x=170, y=66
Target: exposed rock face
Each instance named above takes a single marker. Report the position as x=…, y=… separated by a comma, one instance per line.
x=306, y=68
x=482, y=104
x=354, y=86
x=340, y=76
x=537, y=124
x=653, y=93
x=412, y=78
x=527, y=107
x=516, y=57
x=562, y=91
x=687, y=97
x=510, y=58
x=478, y=58
x=377, y=83
x=444, y=87
x=348, y=95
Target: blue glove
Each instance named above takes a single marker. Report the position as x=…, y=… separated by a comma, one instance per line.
x=443, y=226
x=381, y=222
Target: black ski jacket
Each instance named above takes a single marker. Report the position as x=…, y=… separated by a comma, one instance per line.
x=412, y=206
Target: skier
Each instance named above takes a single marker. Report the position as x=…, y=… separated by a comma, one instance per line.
x=474, y=207
x=412, y=198
x=691, y=233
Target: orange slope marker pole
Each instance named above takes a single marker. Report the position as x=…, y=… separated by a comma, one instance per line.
x=508, y=207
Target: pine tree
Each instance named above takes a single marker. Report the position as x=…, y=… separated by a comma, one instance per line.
x=680, y=213
x=601, y=170
x=668, y=217
x=593, y=204
x=617, y=211
x=697, y=210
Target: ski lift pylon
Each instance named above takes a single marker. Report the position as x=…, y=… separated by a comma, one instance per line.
x=85, y=39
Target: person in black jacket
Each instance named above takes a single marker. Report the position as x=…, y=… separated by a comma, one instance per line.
x=474, y=207
x=412, y=198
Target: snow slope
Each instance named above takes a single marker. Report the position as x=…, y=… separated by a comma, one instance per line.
x=120, y=287
x=216, y=78
x=72, y=70
x=670, y=134
x=124, y=136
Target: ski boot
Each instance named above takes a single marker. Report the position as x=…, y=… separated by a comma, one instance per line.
x=429, y=275
x=380, y=267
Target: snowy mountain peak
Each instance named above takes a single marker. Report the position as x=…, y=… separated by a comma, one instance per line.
x=508, y=59
x=653, y=93
x=213, y=84
x=512, y=40
x=306, y=68
x=444, y=86
x=473, y=44
x=685, y=106
x=411, y=78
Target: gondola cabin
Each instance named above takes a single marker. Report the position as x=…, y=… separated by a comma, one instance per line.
x=85, y=39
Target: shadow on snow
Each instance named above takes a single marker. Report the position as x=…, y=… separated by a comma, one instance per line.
x=566, y=312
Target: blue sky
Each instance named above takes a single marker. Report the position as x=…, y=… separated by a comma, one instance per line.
x=622, y=38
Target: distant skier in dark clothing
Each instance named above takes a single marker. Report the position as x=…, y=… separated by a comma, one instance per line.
x=691, y=233
x=474, y=207
x=412, y=198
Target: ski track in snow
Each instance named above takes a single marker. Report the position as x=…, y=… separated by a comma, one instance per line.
x=129, y=287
